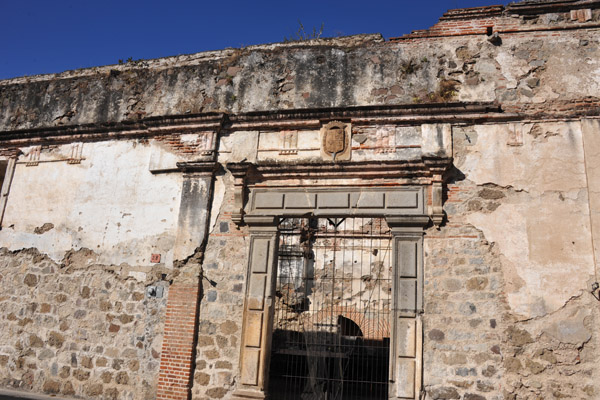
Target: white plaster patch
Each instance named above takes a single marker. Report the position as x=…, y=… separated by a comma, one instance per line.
x=437, y=140
x=112, y=204
x=511, y=68
x=543, y=251
x=138, y=275
x=553, y=164
x=569, y=326
x=189, y=138
x=162, y=159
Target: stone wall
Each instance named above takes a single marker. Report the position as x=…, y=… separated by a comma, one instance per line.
x=77, y=328
x=221, y=308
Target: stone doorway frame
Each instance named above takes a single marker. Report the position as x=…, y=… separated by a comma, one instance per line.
x=405, y=212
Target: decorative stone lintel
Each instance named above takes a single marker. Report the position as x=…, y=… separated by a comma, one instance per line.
x=428, y=171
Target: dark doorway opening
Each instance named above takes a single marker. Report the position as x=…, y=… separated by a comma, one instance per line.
x=331, y=319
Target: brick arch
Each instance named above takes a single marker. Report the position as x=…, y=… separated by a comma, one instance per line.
x=372, y=328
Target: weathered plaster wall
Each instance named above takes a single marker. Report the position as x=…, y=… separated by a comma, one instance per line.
x=78, y=233
x=591, y=139
x=109, y=203
x=508, y=311
x=547, y=213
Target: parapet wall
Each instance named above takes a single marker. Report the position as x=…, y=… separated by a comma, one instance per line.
x=539, y=62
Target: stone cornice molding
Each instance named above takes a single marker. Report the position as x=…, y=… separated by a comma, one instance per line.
x=146, y=127
x=403, y=114
x=261, y=120
x=424, y=170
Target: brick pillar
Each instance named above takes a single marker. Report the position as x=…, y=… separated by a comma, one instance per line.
x=177, y=355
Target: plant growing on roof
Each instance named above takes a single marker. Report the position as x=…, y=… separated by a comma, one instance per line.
x=301, y=34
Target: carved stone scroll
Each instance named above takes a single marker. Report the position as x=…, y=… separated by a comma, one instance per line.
x=437, y=209
x=240, y=173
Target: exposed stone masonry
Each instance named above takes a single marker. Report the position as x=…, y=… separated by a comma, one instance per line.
x=220, y=323
x=77, y=330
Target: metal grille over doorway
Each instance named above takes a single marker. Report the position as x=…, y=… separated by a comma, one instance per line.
x=331, y=329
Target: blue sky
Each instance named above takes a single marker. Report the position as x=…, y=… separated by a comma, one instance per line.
x=45, y=36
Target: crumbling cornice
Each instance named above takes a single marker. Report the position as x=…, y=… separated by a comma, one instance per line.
x=263, y=120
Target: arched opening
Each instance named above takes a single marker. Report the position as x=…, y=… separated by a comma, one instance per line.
x=347, y=327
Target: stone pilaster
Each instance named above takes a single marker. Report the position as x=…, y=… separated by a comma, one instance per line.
x=258, y=309
x=407, y=339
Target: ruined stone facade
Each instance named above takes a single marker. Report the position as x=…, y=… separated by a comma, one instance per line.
x=142, y=209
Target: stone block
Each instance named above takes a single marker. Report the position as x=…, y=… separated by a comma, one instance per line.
x=256, y=295
x=201, y=378
x=228, y=327
x=94, y=390
x=333, y=200
x=406, y=339
x=444, y=393
x=407, y=295
x=264, y=200
x=473, y=396
x=254, y=328
x=367, y=200
x=300, y=200
x=402, y=199
x=51, y=386
x=260, y=255
x=405, y=378
x=407, y=259
x=436, y=335
x=250, y=366
x=216, y=392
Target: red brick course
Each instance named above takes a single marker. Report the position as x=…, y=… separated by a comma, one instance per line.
x=177, y=355
x=494, y=19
